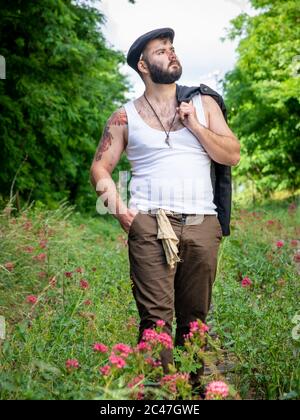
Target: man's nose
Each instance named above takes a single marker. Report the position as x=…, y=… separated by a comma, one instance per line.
x=172, y=55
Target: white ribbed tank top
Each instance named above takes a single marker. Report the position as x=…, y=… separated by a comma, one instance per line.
x=176, y=178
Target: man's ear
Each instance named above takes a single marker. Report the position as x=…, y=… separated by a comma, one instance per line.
x=142, y=66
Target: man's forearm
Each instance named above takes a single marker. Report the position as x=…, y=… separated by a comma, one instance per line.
x=222, y=149
x=107, y=191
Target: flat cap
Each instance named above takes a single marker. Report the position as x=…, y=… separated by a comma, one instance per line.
x=139, y=45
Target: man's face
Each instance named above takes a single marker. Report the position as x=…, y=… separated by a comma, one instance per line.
x=163, y=64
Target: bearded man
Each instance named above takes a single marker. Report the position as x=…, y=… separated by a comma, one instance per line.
x=181, y=151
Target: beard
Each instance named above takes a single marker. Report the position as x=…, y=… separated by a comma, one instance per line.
x=164, y=77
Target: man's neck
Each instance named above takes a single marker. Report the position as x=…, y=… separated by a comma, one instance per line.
x=162, y=94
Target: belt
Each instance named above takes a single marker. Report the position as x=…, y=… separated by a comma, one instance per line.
x=186, y=218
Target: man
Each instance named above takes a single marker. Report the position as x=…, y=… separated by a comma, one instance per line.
x=172, y=221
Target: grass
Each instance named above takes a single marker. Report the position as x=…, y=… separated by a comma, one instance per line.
x=254, y=324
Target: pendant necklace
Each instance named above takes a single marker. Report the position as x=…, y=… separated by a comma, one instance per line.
x=167, y=133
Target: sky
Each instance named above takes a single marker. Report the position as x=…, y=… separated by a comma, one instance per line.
x=199, y=26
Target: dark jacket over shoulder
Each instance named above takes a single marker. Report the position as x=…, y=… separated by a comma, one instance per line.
x=220, y=174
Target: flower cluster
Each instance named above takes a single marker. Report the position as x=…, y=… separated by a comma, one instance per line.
x=217, y=391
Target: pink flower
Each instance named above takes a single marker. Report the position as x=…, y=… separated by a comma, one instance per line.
x=100, y=348
x=280, y=244
x=72, y=364
x=294, y=243
x=297, y=257
x=165, y=340
x=152, y=362
x=79, y=270
x=136, y=381
x=9, y=266
x=217, y=391
x=154, y=338
x=271, y=222
x=28, y=249
x=27, y=225
x=171, y=381
x=68, y=274
x=40, y=257
x=31, y=299
x=143, y=346
x=160, y=323
x=43, y=243
x=84, y=284
x=198, y=326
x=149, y=335
x=122, y=349
x=246, y=282
x=117, y=361
x=105, y=370
x=87, y=302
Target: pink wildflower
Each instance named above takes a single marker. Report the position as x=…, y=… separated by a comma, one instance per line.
x=160, y=323
x=31, y=299
x=197, y=326
x=87, y=302
x=152, y=362
x=149, y=335
x=43, y=243
x=136, y=381
x=28, y=249
x=68, y=274
x=100, y=348
x=40, y=257
x=105, y=370
x=117, y=361
x=297, y=257
x=72, y=364
x=217, y=391
x=165, y=340
x=280, y=244
x=42, y=274
x=84, y=284
x=143, y=346
x=9, y=266
x=122, y=349
x=246, y=282
x=79, y=270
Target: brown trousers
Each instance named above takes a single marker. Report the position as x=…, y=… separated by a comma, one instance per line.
x=159, y=290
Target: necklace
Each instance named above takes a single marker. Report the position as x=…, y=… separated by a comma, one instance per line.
x=155, y=113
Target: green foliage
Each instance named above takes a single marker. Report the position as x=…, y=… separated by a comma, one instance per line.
x=255, y=326
x=263, y=95
x=256, y=323
x=62, y=83
x=67, y=320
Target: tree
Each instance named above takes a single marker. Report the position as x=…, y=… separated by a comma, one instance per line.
x=263, y=94
x=62, y=83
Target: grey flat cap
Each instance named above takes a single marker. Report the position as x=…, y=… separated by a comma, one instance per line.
x=139, y=45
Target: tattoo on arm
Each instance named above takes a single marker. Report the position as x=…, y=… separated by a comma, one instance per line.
x=119, y=118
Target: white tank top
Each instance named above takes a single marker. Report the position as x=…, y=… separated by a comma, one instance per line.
x=177, y=178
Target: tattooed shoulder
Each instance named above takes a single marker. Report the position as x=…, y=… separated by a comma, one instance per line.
x=119, y=119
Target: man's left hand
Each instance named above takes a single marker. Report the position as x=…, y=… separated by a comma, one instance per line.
x=188, y=116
